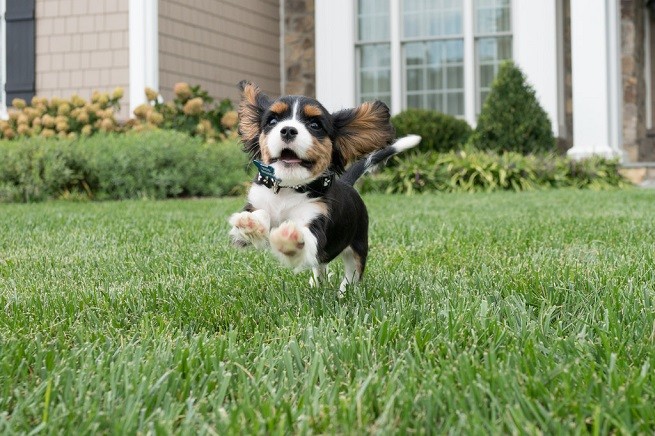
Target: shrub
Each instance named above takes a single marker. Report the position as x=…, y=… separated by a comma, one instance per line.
x=158, y=164
x=62, y=118
x=440, y=132
x=511, y=118
x=192, y=111
x=472, y=171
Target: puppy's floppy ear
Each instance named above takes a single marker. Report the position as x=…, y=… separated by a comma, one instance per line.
x=362, y=130
x=251, y=108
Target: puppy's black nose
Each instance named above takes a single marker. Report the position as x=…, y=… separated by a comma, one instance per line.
x=288, y=133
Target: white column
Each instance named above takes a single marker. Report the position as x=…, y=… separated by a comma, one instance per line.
x=535, y=51
x=470, y=93
x=396, y=57
x=144, y=49
x=335, y=53
x=596, y=78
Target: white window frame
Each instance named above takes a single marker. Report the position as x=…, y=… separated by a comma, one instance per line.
x=471, y=67
x=3, y=60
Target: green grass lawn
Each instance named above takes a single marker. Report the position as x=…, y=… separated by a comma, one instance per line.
x=478, y=313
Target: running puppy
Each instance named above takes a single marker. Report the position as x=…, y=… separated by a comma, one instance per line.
x=302, y=203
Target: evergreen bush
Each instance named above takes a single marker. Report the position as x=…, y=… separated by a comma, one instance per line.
x=439, y=132
x=512, y=118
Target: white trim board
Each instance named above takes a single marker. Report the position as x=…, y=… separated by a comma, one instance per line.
x=144, y=49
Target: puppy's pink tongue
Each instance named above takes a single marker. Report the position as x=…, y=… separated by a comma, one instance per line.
x=291, y=161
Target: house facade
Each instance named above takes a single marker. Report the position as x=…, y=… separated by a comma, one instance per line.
x=589, y=61
x=65, y=47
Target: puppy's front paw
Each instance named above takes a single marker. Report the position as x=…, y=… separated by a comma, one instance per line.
x=295, y=246
x=287, y=239
x=250, y=228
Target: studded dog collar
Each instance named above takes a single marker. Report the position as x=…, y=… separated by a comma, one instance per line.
x=266, y=177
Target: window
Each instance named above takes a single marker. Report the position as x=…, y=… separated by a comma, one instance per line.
x=373, y=51
x=433, y=55
x=437, y=47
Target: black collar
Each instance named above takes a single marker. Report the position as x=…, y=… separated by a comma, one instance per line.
x=318, y=186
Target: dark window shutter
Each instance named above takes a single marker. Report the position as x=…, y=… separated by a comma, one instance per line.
x=21, y=52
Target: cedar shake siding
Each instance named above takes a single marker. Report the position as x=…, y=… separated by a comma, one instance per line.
x=218, y=43
x=82, y=46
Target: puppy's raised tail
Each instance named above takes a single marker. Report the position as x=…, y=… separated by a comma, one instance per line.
x=362, y=166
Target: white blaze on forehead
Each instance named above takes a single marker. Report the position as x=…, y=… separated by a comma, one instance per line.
x=294, y=113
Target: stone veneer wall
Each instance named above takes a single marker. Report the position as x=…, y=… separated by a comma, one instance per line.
x=566, y=141
x=299, y=48
x=634, y=87
x=82, y=46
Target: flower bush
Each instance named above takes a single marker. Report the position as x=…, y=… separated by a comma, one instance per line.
x=192, y=111
x=57, y=117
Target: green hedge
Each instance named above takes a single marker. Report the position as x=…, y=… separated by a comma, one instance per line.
x=439, y=132
x=472, y=171
x=157, y=164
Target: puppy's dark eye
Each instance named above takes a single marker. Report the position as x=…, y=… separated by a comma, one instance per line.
x=272, y=121
x=314, y=125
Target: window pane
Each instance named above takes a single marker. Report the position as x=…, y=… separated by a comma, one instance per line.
x=490, y=53
x=368, y=84
x=373, y=20
x=492, y=16
x=414, y=53
x=455, y=103
x=487, y=74
x=374, y=75
x=435, y=102
x=435, y=78
x=455, y=77
x=455, y=51
x=432, y=18
x=433, y=71
x=414, y=101
x=412, y=24
x=415, y=80
x=384, y=81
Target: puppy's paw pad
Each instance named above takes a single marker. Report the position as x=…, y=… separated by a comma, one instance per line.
x=248, y=224
x=287, y=239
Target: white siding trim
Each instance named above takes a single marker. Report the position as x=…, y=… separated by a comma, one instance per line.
x=596, y=78
x=397, y=96
x=535, y=51
x=144, y=49
x=335, y=53
x=470, y=65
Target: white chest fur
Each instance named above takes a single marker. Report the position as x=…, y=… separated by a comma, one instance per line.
x=285, y=205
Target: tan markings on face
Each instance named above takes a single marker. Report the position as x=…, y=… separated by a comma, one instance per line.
x=263, y=148
x=369, y=130
x=279, y=107
x=321, y=154
x=311, y=110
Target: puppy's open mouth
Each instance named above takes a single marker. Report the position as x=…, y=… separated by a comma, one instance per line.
x=289, y=158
